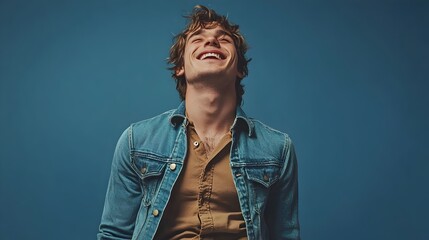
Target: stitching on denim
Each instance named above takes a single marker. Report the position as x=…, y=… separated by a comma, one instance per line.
x=257, y=164
x=130, y=137
x=152, y=156
x=285, y=154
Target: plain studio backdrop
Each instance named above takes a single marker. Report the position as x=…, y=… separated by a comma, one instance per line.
x=348, y=80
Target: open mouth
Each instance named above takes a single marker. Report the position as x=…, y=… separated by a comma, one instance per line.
x=211, y=55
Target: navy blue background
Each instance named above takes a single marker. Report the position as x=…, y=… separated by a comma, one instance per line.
x=348, y=80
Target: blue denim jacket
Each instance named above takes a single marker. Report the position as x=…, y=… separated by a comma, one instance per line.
x=148, y=160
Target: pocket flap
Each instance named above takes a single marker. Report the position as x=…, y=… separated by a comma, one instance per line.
x=265, y=175
x=148, y=167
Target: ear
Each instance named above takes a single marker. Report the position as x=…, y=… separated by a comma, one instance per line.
x=180, y=71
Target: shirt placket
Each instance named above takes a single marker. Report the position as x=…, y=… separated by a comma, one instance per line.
x=205, y=184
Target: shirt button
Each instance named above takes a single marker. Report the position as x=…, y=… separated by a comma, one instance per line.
x=266, y=178
x=155, y=212
x=143, y=170
x=196, y=143
x=173, y=166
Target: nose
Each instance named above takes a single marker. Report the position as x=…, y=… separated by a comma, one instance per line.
x=212, y=41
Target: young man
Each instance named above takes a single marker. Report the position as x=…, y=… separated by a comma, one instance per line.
x=204, y=170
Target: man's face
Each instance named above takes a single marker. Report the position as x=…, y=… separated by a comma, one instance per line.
x=209, y=53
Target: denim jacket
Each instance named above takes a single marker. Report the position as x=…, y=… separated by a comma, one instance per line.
x=149, y=158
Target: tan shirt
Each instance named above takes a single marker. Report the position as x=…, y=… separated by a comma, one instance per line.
x=204, y=202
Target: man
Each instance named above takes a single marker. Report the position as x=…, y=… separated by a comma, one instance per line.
x=204, y=170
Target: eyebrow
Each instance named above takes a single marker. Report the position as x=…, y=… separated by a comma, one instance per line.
x=218, y=32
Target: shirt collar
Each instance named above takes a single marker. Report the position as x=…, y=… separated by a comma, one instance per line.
x=241, y=120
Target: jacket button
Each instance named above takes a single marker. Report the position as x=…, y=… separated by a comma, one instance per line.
x=143, y=170
x=173, y=166
x=155, y=212
x=266, y=178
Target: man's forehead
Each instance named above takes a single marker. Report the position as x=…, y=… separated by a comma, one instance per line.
x=201, y=30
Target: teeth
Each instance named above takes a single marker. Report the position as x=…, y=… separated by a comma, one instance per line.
x=206, y=55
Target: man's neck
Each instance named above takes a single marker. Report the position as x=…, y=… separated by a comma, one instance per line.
x=212, y=112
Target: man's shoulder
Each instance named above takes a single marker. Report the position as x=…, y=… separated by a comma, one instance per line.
x=156, y=121
x=266, y=130
x=265, y=143
x=153, y=134
x=270, y=142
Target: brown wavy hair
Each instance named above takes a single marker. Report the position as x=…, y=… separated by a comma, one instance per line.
x=203, y=17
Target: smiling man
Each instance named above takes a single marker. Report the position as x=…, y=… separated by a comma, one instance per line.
x=204, y=170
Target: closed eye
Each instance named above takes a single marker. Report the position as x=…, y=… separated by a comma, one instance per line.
x=225, y=40
x=195, y=40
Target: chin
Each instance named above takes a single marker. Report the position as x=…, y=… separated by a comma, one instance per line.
x=212, y=74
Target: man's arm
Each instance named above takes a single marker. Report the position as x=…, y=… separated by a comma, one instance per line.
x=123, y=197
x=282, y=211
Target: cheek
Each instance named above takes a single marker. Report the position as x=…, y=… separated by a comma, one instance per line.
x=187, y=55
x=234, y=59
x=234, y=55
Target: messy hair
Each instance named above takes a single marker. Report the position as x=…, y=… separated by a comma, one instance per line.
x=203, y=17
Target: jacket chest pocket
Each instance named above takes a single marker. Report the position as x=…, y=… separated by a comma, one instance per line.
x=260, y=180
x=150, y=172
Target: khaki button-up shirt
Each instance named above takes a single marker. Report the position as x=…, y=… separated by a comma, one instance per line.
x=204, y=202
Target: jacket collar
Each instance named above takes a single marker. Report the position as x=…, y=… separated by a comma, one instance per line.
x=241, y=120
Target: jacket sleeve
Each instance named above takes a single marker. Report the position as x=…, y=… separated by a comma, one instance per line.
x=123, y=197
x=282, y=211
